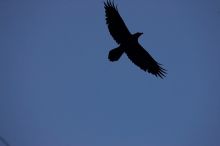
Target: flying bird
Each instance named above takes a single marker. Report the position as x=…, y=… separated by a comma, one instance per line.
x=128, y=43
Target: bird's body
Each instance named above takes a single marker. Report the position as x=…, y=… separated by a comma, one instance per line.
x=128, y=43
x=125, y=46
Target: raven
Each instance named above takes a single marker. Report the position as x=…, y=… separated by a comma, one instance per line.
x=128, y=43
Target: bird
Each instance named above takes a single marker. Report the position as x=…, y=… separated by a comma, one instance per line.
x=128, y=43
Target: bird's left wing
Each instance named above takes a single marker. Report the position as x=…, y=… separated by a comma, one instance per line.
x=116, y=25
x=139, y=56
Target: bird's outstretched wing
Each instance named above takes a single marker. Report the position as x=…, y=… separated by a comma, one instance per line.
x=116, y=25
x=139, y=56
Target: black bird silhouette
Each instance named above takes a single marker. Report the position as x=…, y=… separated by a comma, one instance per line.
x=128, y=43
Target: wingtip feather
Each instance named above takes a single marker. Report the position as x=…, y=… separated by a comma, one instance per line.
x=110, y=3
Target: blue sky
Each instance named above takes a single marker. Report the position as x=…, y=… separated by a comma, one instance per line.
x=58, y=87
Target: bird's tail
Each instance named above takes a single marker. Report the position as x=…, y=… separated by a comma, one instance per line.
x=115, y=53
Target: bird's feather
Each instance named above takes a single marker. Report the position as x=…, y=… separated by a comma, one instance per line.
x=139, y=56
x=115, y=54
x=116, y=25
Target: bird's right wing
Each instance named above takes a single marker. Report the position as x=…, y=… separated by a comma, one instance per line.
x=116, y=25
x=139, y=56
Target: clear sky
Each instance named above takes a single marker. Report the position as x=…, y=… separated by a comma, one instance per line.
x=57, y=87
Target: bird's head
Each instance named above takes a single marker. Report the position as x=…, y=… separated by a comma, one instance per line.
x=138, y=34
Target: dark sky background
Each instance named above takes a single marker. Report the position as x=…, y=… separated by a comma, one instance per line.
x=57, y=87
